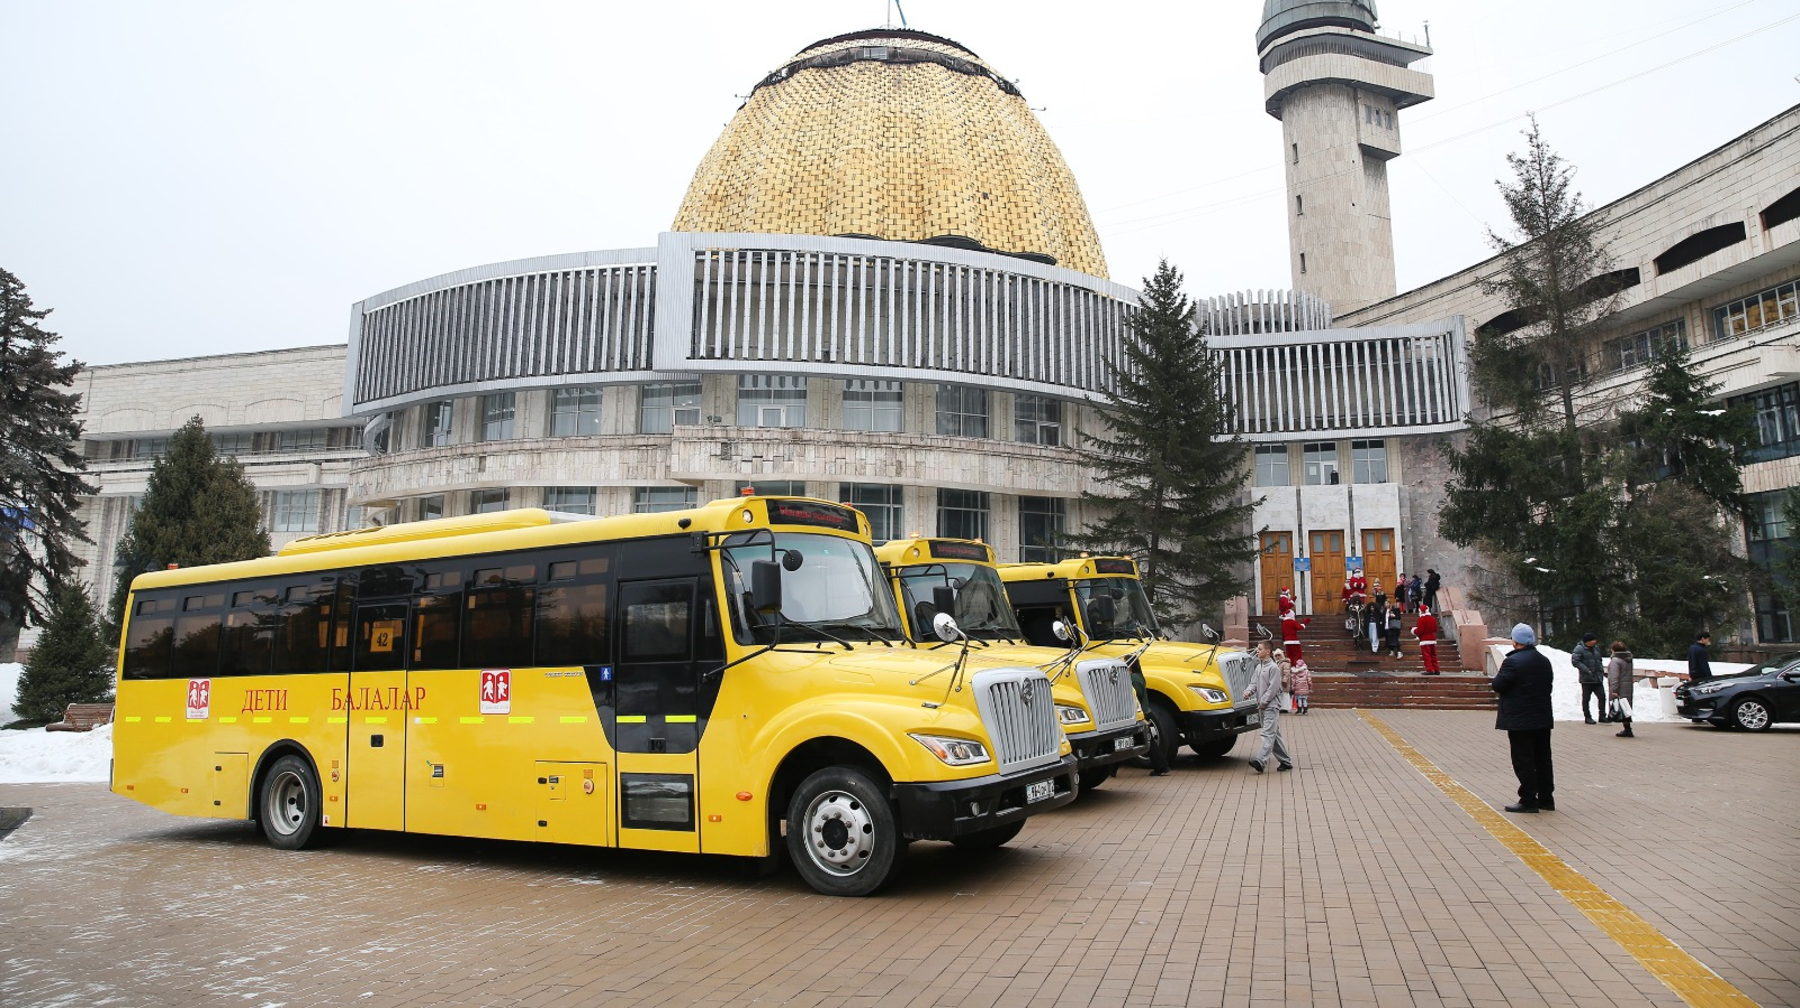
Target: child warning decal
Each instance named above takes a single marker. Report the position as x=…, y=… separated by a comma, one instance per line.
x=199, y=699
x=496, y=691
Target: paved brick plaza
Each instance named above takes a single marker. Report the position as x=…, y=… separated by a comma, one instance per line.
x=1354, y=880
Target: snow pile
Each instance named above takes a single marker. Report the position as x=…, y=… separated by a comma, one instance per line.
x=1646, y=705
x=34, y=756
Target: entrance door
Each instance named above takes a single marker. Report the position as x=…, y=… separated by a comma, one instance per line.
x=656, y=713
x=1378, y=560
x=375, y=781
x=1327, y=551
x=1277, y=568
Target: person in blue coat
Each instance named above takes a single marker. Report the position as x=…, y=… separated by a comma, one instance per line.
x=1524, y=684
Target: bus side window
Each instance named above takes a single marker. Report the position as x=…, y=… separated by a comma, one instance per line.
x=381, y=636
x=303, y=637
x=502, y=602
x=249, y=632
x=152, y=635
x=197, y=635
x=436, y=615
x=572, y=627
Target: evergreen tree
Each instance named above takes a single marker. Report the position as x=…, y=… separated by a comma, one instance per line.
x=40, y=470
x=1677, y=570
x=72, y=662
x=1681, y=432
x=1172, y=469
x=197, y=509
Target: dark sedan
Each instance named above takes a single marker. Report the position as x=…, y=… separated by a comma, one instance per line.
x=1753, y=699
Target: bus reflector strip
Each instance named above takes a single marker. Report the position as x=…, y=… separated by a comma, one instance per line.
x=516, y=719
x=424, y=720
x=134, y=719
x=680, y=719
x=377, y=719
x=228, y=719
x=477, y=719
x=578, y=719
x=337, y=719
x=261, y=720
x=164, y=720
x=631, y=719
x=300, y=720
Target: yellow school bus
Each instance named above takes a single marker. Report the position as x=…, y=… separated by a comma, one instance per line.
x=1094, y=699
x=730, y=679
x=1196, y=690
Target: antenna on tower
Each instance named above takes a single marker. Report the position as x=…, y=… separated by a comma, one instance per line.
x=1428, y=34
x=902, y=11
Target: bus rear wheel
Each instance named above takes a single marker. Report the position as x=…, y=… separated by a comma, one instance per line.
x=288, y=807
x=842, y=834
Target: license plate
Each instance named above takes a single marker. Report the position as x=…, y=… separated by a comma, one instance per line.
x=1041, y=790
x=1122, y=744
x=1254, y=719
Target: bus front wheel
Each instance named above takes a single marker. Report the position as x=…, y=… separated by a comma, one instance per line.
x=288, y=808
x=842, y=834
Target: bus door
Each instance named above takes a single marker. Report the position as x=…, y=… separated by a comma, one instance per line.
x=656, y=717
x=375, y=782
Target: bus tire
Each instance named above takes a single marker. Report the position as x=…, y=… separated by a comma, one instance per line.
x=1214, y=749
x=288, y=807
x=988, y=839
x=842, y=835
x=1091, y=779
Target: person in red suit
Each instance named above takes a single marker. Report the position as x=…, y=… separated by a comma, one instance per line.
x=1290, y=634
x=1284, y=602
x=1426, y=630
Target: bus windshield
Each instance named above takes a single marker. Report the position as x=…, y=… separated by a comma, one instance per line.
x=1131, y=614
x=835, y=593
x=981, y=607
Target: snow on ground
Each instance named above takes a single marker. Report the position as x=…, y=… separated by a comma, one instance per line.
x=35, y=756
x=1646, y=704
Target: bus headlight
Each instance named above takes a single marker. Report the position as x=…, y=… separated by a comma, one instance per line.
x=1070, y=715
x=954, y=751
x=1212, y=695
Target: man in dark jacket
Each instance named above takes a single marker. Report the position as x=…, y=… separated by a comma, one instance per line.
x=1524, y=687
x=1699, y=667
x=1592, y=670
x=1432, y=583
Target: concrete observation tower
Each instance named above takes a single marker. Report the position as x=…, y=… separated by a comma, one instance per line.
x=1337, y=88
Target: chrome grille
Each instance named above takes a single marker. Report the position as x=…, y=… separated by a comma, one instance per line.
x=1107, y=685
x=1238, y=670
x=1020, y=715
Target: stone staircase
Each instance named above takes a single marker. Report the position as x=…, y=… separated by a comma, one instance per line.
x=1346, y=676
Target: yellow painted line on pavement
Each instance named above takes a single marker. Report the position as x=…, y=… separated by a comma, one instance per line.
x=1688, y=977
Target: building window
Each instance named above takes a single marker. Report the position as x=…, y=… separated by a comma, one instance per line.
x=431, y=507
x=572, y=500
x=1643, y=347
x=575, y=412
x=488, y=501
x=231, y=445
x=1368, y=462
x=1041, y=529
x=1320, y=462
x=1296, y=153
x=1766, y=534
x=772, y=488
x=295, y=511
x=438, y=419
x=310, y=439
x=1303, y=262
x=645, y=500
x=1272, y=465
x=149, y=448
x=1299, y=205
x=963, y=514
x=497, y=416
x=1777, y=422
x=667, y=405
x=1037, y=419
x=962, y=411
x=1758, y=311
x=882, y=505
x=771, y=401
x=872, y=405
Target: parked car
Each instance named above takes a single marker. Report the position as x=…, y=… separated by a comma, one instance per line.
x=1753, y=699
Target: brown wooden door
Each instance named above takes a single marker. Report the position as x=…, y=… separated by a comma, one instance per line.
x=1327, y=552
x=1277, y=568
x=1378, y=560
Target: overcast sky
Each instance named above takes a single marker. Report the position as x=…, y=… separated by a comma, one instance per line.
x=186, y=178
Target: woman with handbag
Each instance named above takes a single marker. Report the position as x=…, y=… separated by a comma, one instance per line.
x=1618, y=670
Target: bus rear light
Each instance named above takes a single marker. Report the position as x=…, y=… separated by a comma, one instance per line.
x=481, y=806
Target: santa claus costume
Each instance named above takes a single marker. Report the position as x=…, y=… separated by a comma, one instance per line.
x=1426, y=630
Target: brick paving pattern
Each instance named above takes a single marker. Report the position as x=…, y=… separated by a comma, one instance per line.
x=1351, y=881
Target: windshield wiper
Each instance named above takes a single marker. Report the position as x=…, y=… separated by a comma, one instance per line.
x=818, y=629
x=873, y=633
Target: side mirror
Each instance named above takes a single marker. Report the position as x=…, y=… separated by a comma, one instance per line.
x=944, y=625
x=792, y=559
x=1101, y=610
x=1060, y=629
x=765, y=586
x=944, y=597
x=1208, y=632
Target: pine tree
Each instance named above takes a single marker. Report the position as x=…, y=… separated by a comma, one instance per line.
x=72, y=662
x=1681, y=432
x=197, y=509
x=40, y=470
x=1173, y=471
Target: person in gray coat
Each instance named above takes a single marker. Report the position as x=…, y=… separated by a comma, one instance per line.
x=1524, y=684
x=1266, y=688
x=1592, y=670
x=1618, y=669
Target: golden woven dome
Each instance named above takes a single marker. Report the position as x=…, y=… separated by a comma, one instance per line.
x=897, y=134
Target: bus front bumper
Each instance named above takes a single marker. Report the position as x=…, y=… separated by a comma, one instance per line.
x=1207, y=726
x=1104, y=748
x=941, y=810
